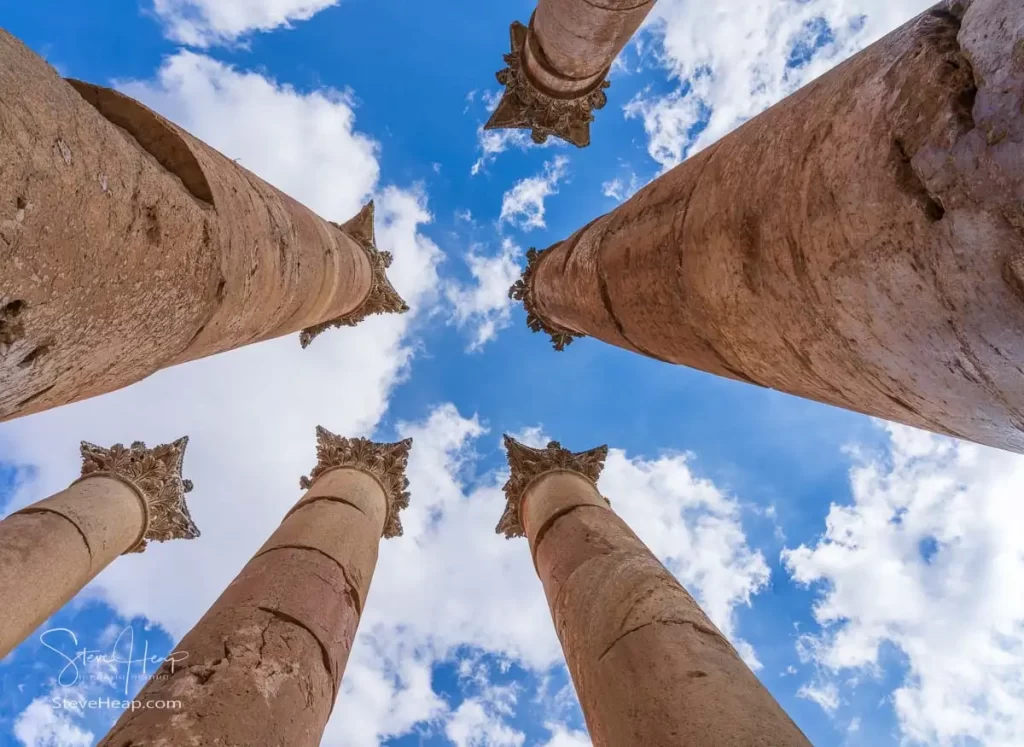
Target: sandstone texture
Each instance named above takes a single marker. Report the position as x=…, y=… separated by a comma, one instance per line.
x=52, y=549
x=858, y=244
x=265, y=664
x=127, y=245
x=649, y=667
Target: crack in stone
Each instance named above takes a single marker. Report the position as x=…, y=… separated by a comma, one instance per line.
x=286, y=618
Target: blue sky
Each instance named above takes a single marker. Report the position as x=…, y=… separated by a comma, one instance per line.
x=862, y=569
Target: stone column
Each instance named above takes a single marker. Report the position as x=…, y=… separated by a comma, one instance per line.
x=127, y=245
x=265, y=663
x=649, y=667
x=859, y=244
x=558, y=68
x=50, y=550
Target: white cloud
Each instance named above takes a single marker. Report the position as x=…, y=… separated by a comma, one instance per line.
x=43, y=725
x=561, y=736
x=927, y=559
x=523, y=205
x=480, y=721
x=250, y=413
x=825, y=695
x=484, y=305
x=496, y=603
x=694, y=528
x=493, y=143
x=316, y=154
x=203, y=23
x=730, y=58
x=621, y=189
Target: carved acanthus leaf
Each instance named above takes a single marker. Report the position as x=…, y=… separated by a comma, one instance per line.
x=525, y=107
x=385, y=462
x=527, y=464
x=522, y=290
x=383, y=298
x=156, y=473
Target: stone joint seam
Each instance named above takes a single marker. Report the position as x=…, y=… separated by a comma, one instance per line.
x=139, y=543
x=29, y=510
x=386, y=462
x=332, y=498
x=155, y=475
x=553, y=519
x=344, y=572
x=699, y=627
x=525, y=105
x=528, y=464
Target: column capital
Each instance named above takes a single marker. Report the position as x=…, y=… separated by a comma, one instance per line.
x=156, y=474
x=385, y=462
x=526, y=106
x=522, y=290
x=528, y=464
x=382, y=298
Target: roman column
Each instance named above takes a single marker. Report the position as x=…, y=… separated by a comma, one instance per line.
x=265, y=663
x=859, y=244
x=49, y=551
x=127, y=246
x=649, y=667
x=558, y=68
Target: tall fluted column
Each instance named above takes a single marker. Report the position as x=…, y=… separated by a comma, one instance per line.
x=127, y=245
x=649, y=667
x=50, y=550
x=859, y=244
x=265, y=663
x=558, y=68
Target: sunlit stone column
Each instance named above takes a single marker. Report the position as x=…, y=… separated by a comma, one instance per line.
x=859, y=244
x=50, y=550
x=265, y=663
x=127, y=245
x=558, y=68
x=649, y=667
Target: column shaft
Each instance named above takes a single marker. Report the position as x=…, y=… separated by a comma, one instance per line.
x=859, y=244
x=265, y=663
x=649, y=667
x=52, y=549
x=127, y=245
x=574, y=42
x=558, y=66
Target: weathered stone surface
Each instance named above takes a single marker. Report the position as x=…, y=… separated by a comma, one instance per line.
x=265, y=663
x=856, y=244
x=648, y=665
x=557, y=67
x=50, y=550
x=126, y=245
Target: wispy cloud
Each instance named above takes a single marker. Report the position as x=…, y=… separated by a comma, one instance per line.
x=523, y=205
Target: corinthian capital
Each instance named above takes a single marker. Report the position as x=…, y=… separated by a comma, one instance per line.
x=382, y=298
x=382, y=461
x=522, y=290
x=526, y=106
x=156, y=474
x=528, y=464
